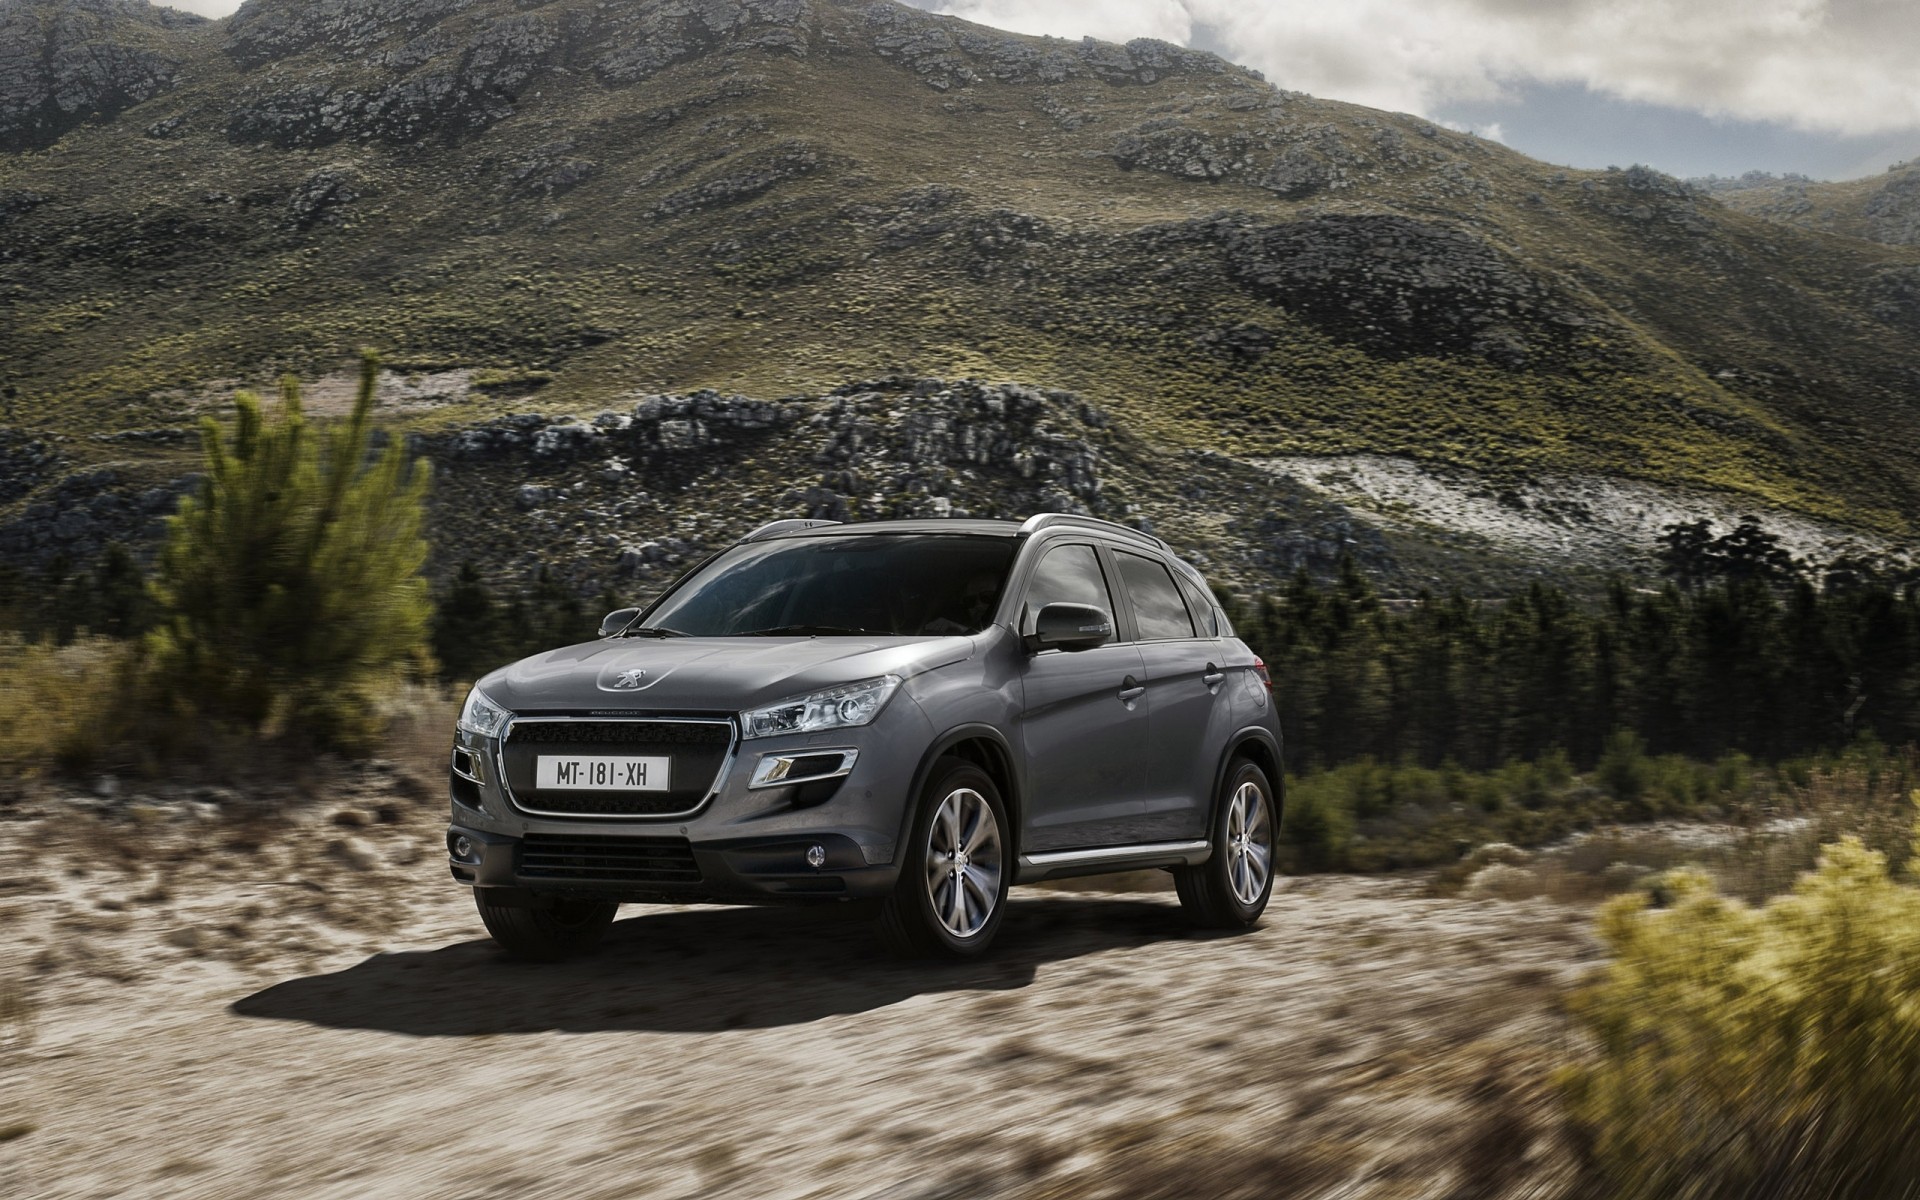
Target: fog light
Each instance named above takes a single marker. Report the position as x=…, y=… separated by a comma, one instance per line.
x=462, y=847
x=816, y=857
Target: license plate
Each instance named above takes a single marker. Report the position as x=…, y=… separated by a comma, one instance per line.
x=602, y=773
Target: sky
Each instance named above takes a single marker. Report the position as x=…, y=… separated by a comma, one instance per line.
x=1827, y=88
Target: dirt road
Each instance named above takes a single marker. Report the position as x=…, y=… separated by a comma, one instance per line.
x=320, y=1016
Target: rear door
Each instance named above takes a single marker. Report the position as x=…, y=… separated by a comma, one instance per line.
x=1184, y=678
x=1084, y=726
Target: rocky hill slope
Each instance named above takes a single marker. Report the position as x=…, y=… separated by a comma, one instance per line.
x=566, y=207
x=1881, y=208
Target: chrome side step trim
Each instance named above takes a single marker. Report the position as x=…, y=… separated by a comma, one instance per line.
x=1189, y=852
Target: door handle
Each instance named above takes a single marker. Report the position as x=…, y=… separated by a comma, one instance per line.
x=1131, y=690
x=1212, y=677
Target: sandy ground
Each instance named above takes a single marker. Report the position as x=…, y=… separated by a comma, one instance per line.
x=192, y=1007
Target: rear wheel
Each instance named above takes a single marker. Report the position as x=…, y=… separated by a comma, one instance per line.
x=1231, y=889
x=561, y=930
x=956, y=871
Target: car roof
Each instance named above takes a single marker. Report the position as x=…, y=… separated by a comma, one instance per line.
x=956, y=525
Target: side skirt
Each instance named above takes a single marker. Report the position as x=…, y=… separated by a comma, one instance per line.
x=1059, y=864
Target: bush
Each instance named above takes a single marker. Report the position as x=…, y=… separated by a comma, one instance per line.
x=61, y=705
x=290, y=587
x=1759, y=1052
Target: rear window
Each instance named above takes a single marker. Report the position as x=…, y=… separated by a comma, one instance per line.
x=908, y=585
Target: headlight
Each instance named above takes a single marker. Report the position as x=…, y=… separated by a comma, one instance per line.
x=481, y=715
x=834, y=708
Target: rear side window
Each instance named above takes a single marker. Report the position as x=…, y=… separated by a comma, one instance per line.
x=1067, y=575
x=1200, y=602
x=1157, y=607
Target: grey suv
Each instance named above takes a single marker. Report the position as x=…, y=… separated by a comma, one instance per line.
x=918, y=714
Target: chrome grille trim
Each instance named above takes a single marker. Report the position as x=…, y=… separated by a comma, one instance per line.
x=719, y=778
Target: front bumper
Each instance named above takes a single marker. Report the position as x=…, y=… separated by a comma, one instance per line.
x=660, y=867
x=747, y=841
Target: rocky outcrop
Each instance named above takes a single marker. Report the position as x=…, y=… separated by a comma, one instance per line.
x=78, y=517
x=1395, y=285
x=1189, y=153
x=320, y=196
x=442, y=70
x=945, y=54
x=72, y=61
x=744, y=181
x=1893, y=294
x=1892, y=210
x=1293, y=159
x=25, y=462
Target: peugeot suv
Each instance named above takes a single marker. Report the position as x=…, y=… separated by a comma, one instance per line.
x=914, y=714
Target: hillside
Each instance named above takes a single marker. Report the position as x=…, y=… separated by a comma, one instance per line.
x=1879, y=208
x=564, y=208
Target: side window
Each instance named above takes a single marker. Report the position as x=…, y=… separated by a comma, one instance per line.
x=1157, y=607
x=1199, y=602
x=1067, y=575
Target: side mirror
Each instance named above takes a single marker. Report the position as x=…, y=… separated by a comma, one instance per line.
x=617, y=620
x=1069, y=627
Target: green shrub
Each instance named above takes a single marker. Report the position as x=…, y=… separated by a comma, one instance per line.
x=1767, y=1051
x=290, y=587
x=1315, y=824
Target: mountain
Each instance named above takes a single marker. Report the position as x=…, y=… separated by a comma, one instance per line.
x=1883, y=208
x=597, y=206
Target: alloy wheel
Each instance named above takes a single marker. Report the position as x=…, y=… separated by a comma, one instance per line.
x=964, y=862
x=1249, y=843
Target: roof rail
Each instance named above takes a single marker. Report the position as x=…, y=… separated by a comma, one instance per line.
x=1039, y=521
x=790, y=525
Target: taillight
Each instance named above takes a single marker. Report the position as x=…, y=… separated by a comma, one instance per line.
x=1260, y=669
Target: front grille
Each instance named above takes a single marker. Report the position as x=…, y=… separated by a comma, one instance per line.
x=608, y=859
x=698, y=750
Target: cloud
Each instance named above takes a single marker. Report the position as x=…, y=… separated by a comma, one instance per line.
x=206, y=8
x=1834, y=66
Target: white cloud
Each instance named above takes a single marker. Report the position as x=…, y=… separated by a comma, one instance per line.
x=206, y=8
x=1837, y=66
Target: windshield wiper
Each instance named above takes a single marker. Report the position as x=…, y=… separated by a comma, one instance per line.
x=785, y=630
x=652, y=631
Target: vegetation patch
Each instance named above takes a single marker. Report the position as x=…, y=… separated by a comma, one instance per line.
x=1767, y=1051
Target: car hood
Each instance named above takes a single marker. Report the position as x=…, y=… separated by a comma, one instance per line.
x=707, y=674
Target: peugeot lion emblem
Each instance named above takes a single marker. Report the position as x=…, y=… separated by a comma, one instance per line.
x=630, y=679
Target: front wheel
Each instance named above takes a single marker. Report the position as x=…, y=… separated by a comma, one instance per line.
x=566, y=928
x=956, y=871
x=1231, y=889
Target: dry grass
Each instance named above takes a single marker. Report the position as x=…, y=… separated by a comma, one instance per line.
x=1772, y=837
x=57, y=702
x=419, y=732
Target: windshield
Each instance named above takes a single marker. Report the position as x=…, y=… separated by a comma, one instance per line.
x=906, y=585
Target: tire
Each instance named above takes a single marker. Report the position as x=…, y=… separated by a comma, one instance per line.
x=1231, y=889
x=567, y=928
x=948, y=906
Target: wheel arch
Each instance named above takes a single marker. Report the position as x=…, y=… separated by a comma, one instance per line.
x=1260, y=747
x=987, y=748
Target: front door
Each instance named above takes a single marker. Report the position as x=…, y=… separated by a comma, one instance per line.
x=1084, y=727
x=1184, y=678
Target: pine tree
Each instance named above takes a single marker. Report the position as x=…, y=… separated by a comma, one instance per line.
x=468, y=628
x=290, y=587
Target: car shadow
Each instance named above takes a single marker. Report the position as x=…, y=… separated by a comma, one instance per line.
x=699, y=970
